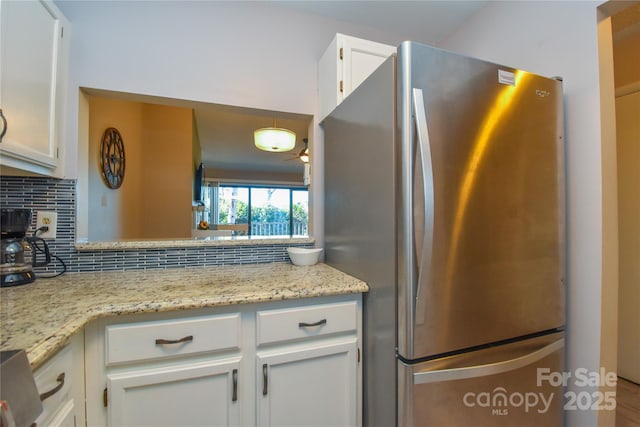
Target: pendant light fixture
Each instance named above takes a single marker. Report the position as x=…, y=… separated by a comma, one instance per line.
x=274, y=139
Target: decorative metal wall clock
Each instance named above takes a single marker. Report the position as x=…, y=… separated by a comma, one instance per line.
x=112, y=158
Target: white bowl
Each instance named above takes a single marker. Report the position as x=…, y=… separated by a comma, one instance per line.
x=304, y=256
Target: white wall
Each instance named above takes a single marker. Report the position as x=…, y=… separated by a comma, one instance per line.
x=251, y=54
x=561, y=39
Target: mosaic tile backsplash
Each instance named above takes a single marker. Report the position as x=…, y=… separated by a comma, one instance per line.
x=60, y=196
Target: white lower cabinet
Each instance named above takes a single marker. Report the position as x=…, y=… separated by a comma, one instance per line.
x=287, y=363
x=180, y=395
x=307, y=365
x=64, y=417
x=309, y=385
x=60, y=382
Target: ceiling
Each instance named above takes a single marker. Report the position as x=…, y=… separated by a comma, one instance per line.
x=226, y=138
x=428, y=21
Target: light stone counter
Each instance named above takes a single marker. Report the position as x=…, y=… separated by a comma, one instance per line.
x=192, y=242
x=41, y=317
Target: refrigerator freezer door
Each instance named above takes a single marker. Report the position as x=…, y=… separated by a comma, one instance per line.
x=481, y=206
x=500, y=386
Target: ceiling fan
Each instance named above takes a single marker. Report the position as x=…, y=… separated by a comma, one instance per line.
x=303, y=155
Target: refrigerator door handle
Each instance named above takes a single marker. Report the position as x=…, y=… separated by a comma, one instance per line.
x=424, y=150
x=488, y=369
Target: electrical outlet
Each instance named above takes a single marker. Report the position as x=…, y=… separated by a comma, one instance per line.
x=47, y=219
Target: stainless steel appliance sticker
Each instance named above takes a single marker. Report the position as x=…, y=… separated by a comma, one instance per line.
x=506, y=78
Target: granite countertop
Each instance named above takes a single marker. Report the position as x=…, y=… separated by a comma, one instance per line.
x=192, y=242
x=42, y=316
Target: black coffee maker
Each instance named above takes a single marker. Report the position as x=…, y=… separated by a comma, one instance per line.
x=16, y=268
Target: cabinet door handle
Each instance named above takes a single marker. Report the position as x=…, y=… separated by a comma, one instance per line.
x=4, y=125
x=48, y=394
x=181, y=340
x=265, y=379
x=234, y=394
x=311, y=325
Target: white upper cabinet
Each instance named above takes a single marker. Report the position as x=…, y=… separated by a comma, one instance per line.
x=34, y=43
x=346, y=63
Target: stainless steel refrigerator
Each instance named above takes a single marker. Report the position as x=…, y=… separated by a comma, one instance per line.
x=444, y=191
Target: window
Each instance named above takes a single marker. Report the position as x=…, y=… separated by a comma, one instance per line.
x=266, y=211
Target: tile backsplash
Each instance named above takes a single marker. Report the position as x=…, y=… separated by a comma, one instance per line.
x=60, y=196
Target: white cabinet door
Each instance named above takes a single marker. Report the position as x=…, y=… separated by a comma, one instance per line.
x=195, y=394
x=360, y=59
x=309, y=385
x=31, y=44
x=346, y=63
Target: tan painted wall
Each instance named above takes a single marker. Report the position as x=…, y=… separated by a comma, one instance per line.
x=628, y=145
x=158, y=148
x=114, y=214
x=627, y=75
x=626, y=54
x=167, y=172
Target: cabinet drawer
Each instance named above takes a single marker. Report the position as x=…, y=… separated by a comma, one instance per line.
x=54, y=380
x=305, y=322
x=168, y=338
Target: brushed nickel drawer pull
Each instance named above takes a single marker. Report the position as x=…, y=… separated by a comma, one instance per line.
x=234, y=394
x=265, y=379
x=311, y=325
x=48, y=394
x=188, y=338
